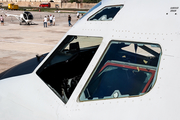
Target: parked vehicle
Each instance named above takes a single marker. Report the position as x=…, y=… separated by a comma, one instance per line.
x=13, y=6
x=45, y=5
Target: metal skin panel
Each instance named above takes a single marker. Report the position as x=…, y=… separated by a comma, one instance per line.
x=160, y=103
x=27, y=97
x=138, y=21
x=149, y=21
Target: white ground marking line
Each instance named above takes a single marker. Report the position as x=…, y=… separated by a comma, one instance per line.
x=13, y=41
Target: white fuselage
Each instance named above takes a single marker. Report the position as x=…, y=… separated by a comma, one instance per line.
x=143, y=22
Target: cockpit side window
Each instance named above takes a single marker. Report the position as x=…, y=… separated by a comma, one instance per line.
x=126, y=69
x=28, y=15
x=96, y=6
x=25, y=16
x=64, y=68
x=106, y=14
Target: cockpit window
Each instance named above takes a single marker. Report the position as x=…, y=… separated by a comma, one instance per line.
x=126, y=69
x=64, y=68
x=96, y=6
x=25, y=16
x=28, y=15
x=106, y=14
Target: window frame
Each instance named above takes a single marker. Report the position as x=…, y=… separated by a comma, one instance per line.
x=102, y=10
x=62, y=47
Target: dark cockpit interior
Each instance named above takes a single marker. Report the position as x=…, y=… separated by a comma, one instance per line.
x=64, y=68
x=27, y=16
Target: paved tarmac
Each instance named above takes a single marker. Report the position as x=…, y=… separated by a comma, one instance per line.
x=19, y=43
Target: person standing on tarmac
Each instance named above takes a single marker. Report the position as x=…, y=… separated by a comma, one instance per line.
x=77, y=15
x=69, y=20
x=53, y=20
x=2, y=20
x=45, y=21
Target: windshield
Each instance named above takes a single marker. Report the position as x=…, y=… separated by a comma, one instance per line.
x=28, y=15
x=125, y=69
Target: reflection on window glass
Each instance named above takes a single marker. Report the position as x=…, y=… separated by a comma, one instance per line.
x=126, y=69
x=64, y=68
x=106, y=14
